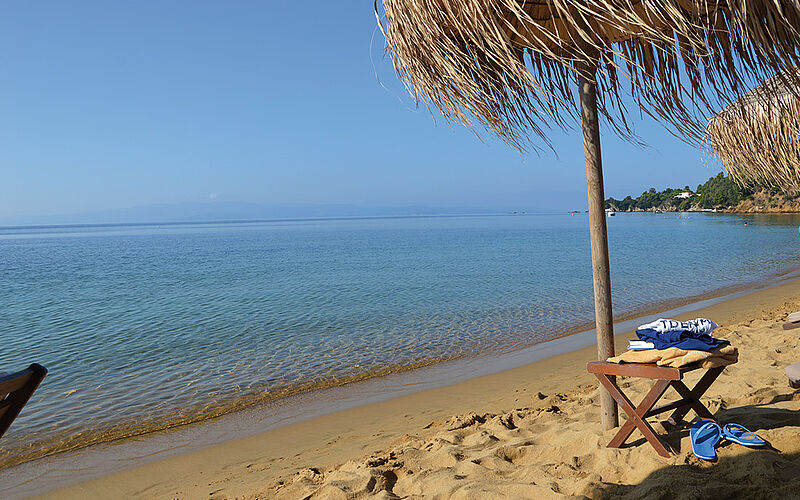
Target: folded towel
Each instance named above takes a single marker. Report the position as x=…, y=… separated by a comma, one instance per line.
x=637, y=345
x=675, y=357
x=689, y=335
x=699, y=326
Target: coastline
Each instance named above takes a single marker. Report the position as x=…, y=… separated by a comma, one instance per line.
x=276, y=396
x=344, y=434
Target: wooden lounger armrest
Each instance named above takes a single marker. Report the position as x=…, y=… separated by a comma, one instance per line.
x=15, y=391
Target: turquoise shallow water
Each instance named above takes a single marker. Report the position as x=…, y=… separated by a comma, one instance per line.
x=147, y=326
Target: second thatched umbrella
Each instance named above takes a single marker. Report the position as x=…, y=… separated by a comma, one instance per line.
x=515, y=66
x=757, y=138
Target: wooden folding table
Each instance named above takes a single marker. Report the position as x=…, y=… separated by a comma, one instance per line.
x=665, y=377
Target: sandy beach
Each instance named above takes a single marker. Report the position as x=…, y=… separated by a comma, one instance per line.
x=529, y=432
x=348, y=250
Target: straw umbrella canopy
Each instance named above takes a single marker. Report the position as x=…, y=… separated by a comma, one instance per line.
x=757, y=137
x=519, y=67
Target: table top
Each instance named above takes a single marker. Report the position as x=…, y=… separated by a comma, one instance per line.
x=643, y=370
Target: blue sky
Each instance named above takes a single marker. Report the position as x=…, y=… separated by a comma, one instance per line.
x=135, y=103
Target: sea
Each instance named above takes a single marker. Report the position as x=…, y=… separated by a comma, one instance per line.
x=150, y=326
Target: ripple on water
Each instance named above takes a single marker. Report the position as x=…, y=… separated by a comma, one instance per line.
x=145, y=328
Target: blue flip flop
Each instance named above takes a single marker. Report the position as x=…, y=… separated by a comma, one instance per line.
x=740, y=435
x=705, y=435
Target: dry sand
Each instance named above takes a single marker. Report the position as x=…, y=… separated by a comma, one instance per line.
x=529, y=432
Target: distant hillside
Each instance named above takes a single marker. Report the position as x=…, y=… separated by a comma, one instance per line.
x=228, y=210
x=718, y=193
x=765, y=201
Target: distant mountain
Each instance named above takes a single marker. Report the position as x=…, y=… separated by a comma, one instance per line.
x=231, y=210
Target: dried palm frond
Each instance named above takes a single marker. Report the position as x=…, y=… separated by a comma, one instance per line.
x=512, y=63
x=757, y=138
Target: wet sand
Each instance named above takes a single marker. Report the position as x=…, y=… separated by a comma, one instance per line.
x=531, y=431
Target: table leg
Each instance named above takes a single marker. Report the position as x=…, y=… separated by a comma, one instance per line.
x=636, y=415
x=692, y=397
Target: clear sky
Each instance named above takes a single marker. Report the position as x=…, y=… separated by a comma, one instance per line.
x=112, y=105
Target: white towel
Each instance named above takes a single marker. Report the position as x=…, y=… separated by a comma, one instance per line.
x=699, y=326
x=639, y=345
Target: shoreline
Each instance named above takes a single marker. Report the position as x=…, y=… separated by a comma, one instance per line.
x=41, y=476
x=276, y=396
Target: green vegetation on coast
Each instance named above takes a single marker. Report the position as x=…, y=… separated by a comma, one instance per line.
x=717, y=193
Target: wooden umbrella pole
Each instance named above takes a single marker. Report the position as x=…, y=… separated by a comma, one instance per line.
x=597, y=230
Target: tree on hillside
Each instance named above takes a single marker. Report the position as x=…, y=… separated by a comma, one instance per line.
x=719, y=191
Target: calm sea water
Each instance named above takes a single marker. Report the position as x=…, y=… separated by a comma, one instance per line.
x=149, y=326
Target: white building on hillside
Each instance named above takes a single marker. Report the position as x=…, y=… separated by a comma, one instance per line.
x=684, y=195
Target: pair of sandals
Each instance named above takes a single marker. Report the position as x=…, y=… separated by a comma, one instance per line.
x=706, y=434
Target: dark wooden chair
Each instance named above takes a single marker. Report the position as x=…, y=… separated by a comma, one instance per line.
x=15, y=391
x=665, y=377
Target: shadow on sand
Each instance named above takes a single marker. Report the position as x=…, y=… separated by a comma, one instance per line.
x=750, y=474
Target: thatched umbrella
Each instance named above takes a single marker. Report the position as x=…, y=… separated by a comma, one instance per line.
x=757, y=138
x=515, y=65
